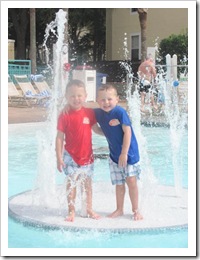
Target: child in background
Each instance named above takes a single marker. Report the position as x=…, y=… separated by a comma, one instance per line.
x=147, y=75
x=74, y=134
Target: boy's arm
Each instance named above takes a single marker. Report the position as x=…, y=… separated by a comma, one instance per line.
x=125, y=146
x=65, y=109
x=97, y=129
x=59, y=150
x=153, y=72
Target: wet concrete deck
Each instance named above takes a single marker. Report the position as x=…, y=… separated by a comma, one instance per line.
x=39, y=114
x=162, y=210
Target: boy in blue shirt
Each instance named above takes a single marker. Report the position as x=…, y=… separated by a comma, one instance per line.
x=124, y=155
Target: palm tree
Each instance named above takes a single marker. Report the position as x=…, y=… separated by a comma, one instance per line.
x=20, y=18
x=33, y=40
x=143, y=25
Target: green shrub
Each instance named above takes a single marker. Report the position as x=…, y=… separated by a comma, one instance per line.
x=174, y=44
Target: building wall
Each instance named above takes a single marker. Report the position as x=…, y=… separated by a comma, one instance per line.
x=161, y=23
x=109, y=35
x=11, y=49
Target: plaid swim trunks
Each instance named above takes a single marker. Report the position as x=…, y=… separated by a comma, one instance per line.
x=118, y=174
x=73, y=170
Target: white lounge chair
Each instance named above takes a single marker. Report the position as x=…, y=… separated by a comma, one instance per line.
x=29, y=92
x=14, y=96
x=42, y=86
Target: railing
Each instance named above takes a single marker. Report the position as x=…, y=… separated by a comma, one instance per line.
x=19, y=67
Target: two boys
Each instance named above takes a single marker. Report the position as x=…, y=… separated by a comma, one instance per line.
x=124, y=155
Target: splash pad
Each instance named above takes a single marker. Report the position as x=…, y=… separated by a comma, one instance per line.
x=165, y=211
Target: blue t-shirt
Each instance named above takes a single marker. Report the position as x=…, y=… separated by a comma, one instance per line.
x=111, y=124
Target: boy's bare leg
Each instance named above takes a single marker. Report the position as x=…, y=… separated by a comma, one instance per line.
x=153, y=102
x=120, y=193
x=88, y=190
x=142, y=94
x=71, y=202
x=133, y=194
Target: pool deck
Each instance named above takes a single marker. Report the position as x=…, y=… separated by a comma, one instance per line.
x=161, y=208
x=18, y=115
x=26, y=114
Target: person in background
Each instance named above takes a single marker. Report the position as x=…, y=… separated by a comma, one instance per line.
x=147, y=75
x=74, y=146
x=124, y=154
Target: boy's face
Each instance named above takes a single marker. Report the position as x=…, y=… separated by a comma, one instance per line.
x=76, y=97
x=107, y=99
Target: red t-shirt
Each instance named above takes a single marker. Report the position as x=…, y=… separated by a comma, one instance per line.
x=76, y=125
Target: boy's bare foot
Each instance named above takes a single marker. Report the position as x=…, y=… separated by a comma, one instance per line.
x=92, y=214
x=116, y=214
x=70, y=217
x=137, y=215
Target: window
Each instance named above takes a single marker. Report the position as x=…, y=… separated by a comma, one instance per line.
x=135, y=47
x=133, y=10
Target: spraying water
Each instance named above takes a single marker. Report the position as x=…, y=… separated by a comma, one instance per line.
x=174, y=118
x=133, y=101
x=46, y=139
x=167, y=82
x=47, y=160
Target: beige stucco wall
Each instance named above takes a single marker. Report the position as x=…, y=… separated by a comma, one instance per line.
x=11, y=49
x=161, y=23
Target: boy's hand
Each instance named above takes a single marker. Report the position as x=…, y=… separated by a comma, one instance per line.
x=60, y=165
x=97, y=129
x=65, y=110
x=123, y=160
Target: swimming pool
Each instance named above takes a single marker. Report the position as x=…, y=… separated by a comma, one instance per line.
x=22, y=173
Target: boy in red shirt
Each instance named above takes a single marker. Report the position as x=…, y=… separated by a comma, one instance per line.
x=74, y=134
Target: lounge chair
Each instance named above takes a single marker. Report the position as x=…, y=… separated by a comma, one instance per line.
x=43, y=87
x=29, y=91
x=14, y=96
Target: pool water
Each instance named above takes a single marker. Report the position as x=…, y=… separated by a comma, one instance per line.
x=22, y=173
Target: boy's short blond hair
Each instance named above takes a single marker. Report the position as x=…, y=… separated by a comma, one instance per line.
x=107, y=87
x=75, y=82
